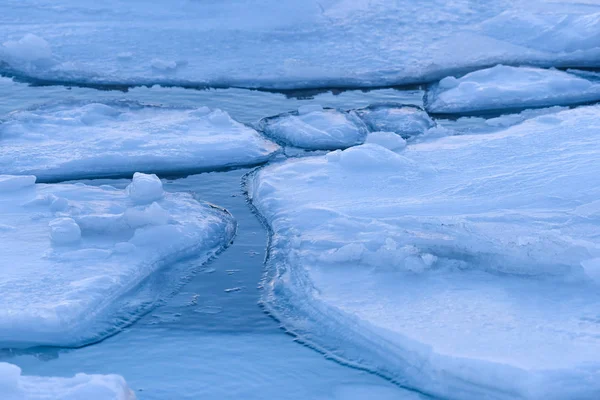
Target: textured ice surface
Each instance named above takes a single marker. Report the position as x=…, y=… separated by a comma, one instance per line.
x=14, y=386
x=466, y=267
x=299, y=43
x=315, y=128
x=502, y=87
x=70, y=253
x=407, y=121
x=93, y=140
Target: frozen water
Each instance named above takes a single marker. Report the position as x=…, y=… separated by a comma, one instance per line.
x=407, y=121
x=466, y=266
x=70, y=253
x=315, y=128
x=14, y=386
x=93, y=140
x=503, y=87
x=308, y=43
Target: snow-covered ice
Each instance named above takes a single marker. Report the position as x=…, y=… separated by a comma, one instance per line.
x=405, y=120
x=503, y=87
x=15, y=386
x=291, y=44
x=70, y=254
x=389, y=140
x=315, y=128
x=466, y=267
x=94, y=140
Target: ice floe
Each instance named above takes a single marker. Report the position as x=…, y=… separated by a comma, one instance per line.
x=315, y=128
x=71, y=253
x=296, y=44
x=406, y=121
x=465, y=267
x=503, y=87
x=95, y=140
x=15, y=386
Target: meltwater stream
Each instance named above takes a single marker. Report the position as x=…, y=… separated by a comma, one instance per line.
x=211, y=340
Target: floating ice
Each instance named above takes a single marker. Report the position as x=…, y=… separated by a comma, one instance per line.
x=294, y=44
x=407, y=121
x=72, y=253
x=315, y=128
x=465, y=267
x=510, y=87
x=14, y=386
x=93, y=140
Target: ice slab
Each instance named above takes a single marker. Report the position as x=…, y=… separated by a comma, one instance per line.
x=315, y=128
x=503, y=87
x=407, y=121
x=71, y=255
x=465, y=267
x=99, y=140
x=14, y=386
x=292, y=44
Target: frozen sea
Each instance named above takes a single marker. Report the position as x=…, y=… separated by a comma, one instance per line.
x=210, y=338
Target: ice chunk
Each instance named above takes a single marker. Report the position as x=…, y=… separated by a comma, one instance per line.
x=315, y=128
x=389, y=140
x=503, y=87
x=14, y=386
x=407, y=121
x=64, y=231
x=30, y=48
x=66, y=269
x=94, y=140
x=145, y=188
x=465, y=267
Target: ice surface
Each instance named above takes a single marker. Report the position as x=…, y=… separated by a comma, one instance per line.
x=315, y=128
x=465, y=267
x=93, y=140
x=299, y=43
x=71, y=253
x=407, y=121
x=502, y=87
x=14, y=386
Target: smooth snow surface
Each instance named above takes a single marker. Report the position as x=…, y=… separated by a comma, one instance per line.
x=93, y=140
x=14, y=386
x=291, y=44
x=315, y=128
x=465, y=267
x=406, y=121
x=503, y=87
x=69, y=253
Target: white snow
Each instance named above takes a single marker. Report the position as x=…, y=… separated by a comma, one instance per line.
x=94, y=140
x=407, y=121
x=14, y=386
x=315, y=128
x=464, y=267
x=502, y=87
x=71, y=253
x=291, y=44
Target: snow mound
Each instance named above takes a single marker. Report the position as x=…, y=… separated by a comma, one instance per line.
x=30, y=49
x=81, y=251
x=315, y=128
x=15, y=386
x=465, y=267
x=407, y=121
x=95, y=140
x=503, y=87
